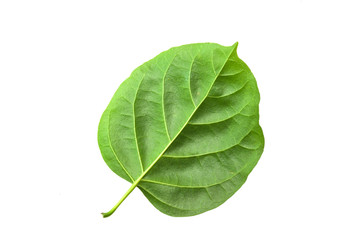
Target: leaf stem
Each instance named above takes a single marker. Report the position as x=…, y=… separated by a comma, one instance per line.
x=134, y=185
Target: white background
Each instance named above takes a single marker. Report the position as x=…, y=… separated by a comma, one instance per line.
x=61, y=62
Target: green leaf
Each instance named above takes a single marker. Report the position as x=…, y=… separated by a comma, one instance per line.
x=184, y=128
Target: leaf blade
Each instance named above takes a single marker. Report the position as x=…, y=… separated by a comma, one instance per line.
x=171, y=119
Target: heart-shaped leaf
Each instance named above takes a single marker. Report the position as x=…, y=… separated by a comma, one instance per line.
x=184, y=128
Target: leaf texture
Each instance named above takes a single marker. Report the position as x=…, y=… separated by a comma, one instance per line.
x=184, y=128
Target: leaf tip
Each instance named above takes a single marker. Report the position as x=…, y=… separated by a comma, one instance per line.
x=235, y=45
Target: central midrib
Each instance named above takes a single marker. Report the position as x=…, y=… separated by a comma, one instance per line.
x=134, y=185
x=185, y=124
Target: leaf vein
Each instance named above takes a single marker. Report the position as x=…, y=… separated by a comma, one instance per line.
x=135, y=131
x=165, y=74
x=196, y=186
x=204, y=154
x=115, y=154
x=223, y=120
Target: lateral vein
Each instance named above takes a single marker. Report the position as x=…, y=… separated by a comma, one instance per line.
x=135, y=131
x=116, y=156
x=165, y=74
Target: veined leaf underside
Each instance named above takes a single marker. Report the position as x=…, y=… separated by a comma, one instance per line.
x=194, y=128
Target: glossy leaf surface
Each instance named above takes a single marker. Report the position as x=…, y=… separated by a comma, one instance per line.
x=184, y=128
